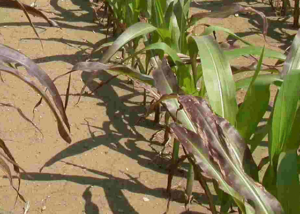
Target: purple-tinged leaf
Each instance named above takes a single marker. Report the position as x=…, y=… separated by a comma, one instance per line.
x=222, y=12
x=62, y=131
x=31, y=10
x=166, y=83
x=217, y=140
x=199, y=151
x=165, y=79
x=155, y=104
x=228, y=10
x=121, y=69
x=21, y=113
x=96, y=67
x=10, y=55
x=238, y=148
x=5, y=168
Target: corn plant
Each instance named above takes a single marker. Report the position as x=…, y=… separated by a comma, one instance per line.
x=196, y=65
x=216, y=144
x=282, y=176
x=9, y=58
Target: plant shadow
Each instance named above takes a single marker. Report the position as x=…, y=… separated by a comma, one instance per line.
x=279, y=28
x=123, y=113
x=90, y=207
x=113, y=189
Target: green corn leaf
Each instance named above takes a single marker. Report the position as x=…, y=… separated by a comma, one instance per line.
x=129, y=34
x=218, y=77
x=281, y=146
x=284, y=115
x=213, y=28
x=253, y=50
x=266, y=79
x=259, y=135
x=158, y=46
x=181, y=13
x=254, y=106
x=288, y=186
x=286, y=104
x=185, y=79
x=157, y=17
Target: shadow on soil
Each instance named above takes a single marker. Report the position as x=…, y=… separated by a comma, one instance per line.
x=113, y=188
x=277, y=28
x=90, y=207
x=122, y=114
x=83, y=14
x=277, y=25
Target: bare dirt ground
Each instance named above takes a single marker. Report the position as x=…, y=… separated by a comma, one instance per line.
x=111, y=166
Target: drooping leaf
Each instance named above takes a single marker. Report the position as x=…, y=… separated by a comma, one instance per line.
x=130, y=33
x=199, y=149
x=166, y=83
x=21, y=113
x=10, y=55
x=31, y=10
x=62, y=131
x=217, y=140
x=96, y=67
x=222, y=12
x=16, y=4
x=228, y=10
x=68, y=92
x=213, y=28
x=5, y=168
x=121, y=69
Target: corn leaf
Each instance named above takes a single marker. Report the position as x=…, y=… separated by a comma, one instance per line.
x=129, y=34
x=217, y=140
x=218, y=77
x=9, y=55
x=254, y=106
x=253, y=50
x=62, y=131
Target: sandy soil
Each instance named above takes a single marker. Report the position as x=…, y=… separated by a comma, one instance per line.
x=111, y=166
